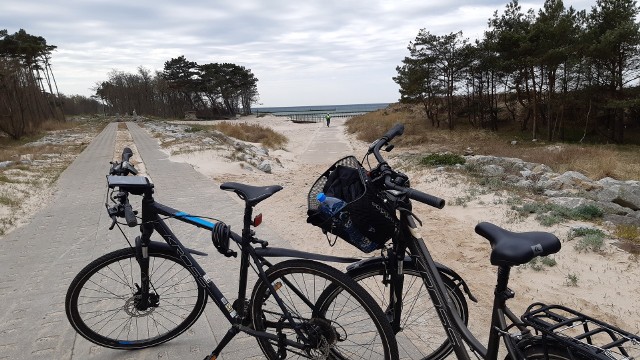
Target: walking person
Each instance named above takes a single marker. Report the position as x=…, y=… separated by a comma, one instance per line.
x=328, y=118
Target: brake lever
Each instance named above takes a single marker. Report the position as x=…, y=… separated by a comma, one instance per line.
x=113, y=211
x=113, y=222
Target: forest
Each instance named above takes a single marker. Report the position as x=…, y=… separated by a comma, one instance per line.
x=212, y=91
x=29, y=95
x=559, y=74
x=556, y=73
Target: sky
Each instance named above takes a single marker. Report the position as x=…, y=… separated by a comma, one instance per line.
x=302, y=52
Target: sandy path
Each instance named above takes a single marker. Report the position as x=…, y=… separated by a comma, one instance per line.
x=607, y=286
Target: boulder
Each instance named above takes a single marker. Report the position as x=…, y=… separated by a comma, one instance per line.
x=571, y=202
x=620, y=193
x=265, y=166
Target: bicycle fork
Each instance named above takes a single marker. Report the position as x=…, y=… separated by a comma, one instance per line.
x=143, y=302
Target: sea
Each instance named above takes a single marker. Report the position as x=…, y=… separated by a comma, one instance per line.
x=334, y=110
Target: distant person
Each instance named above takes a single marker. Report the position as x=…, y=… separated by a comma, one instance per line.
x=328, y=118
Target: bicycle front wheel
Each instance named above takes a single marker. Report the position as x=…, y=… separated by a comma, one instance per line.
x=421, y=335
x=348, y=326
x=102, y=302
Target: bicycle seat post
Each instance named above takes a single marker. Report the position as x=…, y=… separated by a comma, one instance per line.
x=246, y=223
x=244, y=259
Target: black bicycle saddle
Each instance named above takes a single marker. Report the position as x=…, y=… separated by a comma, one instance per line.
x=513, y=248
x=249, y=193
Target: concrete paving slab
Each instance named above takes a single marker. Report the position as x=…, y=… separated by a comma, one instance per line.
x=38, y=261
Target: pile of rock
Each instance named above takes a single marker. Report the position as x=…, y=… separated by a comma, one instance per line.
x=620, y=200
x=256, y=156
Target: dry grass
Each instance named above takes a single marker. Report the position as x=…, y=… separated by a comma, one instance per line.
x=34, y=168
x=253, y=133
x=595, y=161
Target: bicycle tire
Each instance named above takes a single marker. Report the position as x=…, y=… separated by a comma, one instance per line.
x=535, y=348
x=331, y=325
x=421, y=335
x=100, y=302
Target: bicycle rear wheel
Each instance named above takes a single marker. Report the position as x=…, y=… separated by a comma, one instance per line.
x=421, y=335
x=348, y=326
x=101, y=300
x=536, y=348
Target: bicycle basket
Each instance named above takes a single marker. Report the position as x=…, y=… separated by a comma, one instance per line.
x=367, y=221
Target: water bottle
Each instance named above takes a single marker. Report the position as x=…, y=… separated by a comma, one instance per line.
x=330, y=205
x=355, y=236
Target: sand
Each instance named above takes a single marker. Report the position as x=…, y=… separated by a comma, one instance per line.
x=607, y=282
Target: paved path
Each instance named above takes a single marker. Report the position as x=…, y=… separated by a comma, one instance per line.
x=327, y=145
x=38, y=261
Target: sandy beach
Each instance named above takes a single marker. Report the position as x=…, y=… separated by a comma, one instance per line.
x=607, y=282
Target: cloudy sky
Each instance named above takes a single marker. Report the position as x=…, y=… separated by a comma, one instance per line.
x=302, y=52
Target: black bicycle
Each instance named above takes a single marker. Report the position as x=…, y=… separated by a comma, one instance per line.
x=151, y=292
x=424, y=300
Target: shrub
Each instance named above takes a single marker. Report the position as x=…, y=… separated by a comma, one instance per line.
x=442, y=159
x=590, y=242
x=571, y=280
x=587, y=212
x=576, y=232
x=551, y=214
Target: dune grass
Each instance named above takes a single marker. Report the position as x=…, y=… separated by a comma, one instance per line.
x=246, y=132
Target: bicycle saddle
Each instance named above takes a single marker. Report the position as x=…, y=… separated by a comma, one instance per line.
x=252, y=195
x=512, y=248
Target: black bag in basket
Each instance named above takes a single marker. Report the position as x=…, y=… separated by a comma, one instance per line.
x=367, y=221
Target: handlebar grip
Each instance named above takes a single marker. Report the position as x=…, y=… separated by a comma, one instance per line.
x=126, y=154
x=425, y=198
x=396, y=130
x=417, y=195
x=129, y=216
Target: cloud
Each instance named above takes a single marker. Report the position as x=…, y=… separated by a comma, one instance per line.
x=303, y=53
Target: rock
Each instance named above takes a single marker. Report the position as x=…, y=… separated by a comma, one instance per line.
x=525, y=183
x=571, y=202
x=260, y=150
x=514, y=142
x=620, y=193
x=574, y=179
x=526, y=173
x=613, y=208
x=468, y=152
x=265, y=166
x=560, y=193
x=541, y=168
x=493, y=170
x=4, y=164
x=550, y=184
x=624, y=220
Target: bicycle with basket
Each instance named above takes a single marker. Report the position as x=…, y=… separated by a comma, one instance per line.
x=425, y=300
x=151, y=292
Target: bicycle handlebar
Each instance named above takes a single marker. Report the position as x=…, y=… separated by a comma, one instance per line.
x=126, y=154
x=129, y=215
x=124, y=167
x=386, y=170
x=417, y=195
x=124, y=209
x=396, y=130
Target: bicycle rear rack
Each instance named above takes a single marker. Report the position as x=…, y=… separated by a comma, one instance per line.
x=582, y=333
